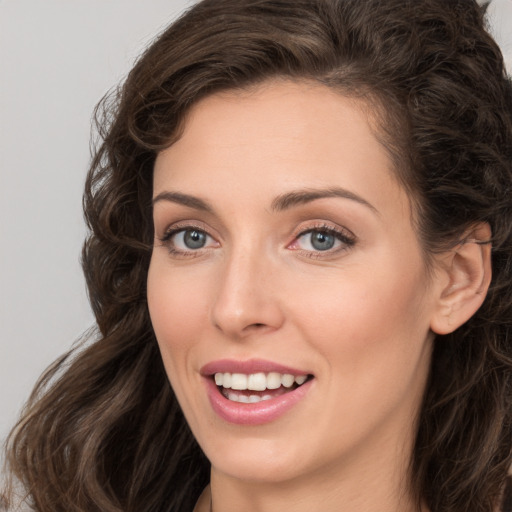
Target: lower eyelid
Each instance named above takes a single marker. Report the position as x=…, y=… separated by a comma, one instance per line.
x=184, y=252
x=326, y=255
x=345, y=238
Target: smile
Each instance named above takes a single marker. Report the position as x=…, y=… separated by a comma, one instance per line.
x=249, y=395
x=237, y=387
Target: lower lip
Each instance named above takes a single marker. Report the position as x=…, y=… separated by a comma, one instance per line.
x=255, y=413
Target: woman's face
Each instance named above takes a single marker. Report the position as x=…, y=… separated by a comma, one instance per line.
x=285, y=255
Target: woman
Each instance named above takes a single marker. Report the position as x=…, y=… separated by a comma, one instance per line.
x=300, y=218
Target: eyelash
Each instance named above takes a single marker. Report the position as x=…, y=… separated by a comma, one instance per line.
x=166, y=241
x=344, y=236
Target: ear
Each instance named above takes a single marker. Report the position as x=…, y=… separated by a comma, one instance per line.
x=464, y=275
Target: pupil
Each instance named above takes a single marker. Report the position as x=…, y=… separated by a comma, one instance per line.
x=194, y=239
x=322, y=241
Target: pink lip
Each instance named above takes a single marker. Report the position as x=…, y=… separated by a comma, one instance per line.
x=247, y=367
x=252, y=413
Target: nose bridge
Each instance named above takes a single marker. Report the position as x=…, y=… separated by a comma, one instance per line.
x=246, y=295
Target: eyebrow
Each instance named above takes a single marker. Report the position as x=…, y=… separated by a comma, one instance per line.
x=280, y=203
x=303, y=196
x=185, y=200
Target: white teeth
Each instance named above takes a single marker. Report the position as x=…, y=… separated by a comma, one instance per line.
x=233, y=397
x=239, y=381
x=301, y=379
x=273, y=380
x=288, y=380
x=258, y=381
x=252, y=399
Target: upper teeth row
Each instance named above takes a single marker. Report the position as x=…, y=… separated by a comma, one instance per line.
x=258, y=381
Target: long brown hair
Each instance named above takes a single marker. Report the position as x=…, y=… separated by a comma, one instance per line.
x=103, y=430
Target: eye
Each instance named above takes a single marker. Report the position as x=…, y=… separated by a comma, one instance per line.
x=318, y=241
x=187, y=240
x=323, y=239
x=190, y=239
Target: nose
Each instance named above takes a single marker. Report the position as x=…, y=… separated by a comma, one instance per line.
x=247, y=299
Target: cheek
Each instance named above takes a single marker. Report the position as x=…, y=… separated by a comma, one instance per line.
x=178, y=306
x=369, y=324
x=373, y=336
x=362, y=303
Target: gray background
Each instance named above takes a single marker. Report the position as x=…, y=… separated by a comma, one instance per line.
x=57, y=59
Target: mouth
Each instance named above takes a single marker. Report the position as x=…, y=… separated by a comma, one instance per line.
x=257, y=387
x=254, y=392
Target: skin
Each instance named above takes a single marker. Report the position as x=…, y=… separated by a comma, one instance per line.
x=357, y=317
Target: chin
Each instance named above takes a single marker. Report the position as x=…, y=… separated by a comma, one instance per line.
x=257, y=460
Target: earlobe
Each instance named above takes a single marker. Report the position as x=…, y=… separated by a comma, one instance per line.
x=465, y=276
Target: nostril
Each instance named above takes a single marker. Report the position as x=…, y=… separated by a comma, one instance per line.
x=255, y=326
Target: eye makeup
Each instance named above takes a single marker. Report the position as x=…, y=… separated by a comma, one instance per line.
x=319, y=240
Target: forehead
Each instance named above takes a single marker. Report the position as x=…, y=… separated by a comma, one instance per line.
x=275, y=136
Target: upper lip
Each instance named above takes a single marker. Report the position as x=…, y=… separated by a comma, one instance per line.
x=248, y=367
